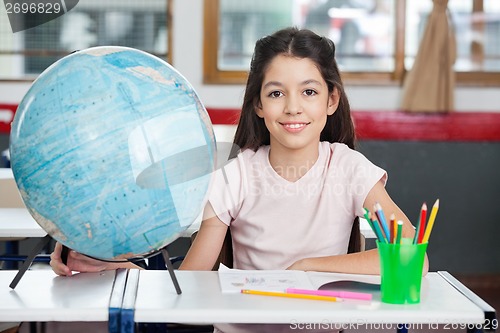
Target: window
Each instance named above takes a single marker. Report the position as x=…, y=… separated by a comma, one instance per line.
x=376, y=40
x=145, y=26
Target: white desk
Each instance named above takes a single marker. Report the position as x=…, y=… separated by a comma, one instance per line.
x=202, y=302
x=43, y=296
x=6, y=173
x=18, y=222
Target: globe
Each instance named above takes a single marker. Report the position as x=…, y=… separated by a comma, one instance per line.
x=112, y=152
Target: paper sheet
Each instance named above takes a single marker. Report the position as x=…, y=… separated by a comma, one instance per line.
x=234, y=280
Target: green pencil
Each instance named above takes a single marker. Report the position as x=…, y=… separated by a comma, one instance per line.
x=375, y=226
x=367, y=218
x=399, y=232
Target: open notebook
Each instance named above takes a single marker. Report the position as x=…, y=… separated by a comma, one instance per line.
x=234, y=280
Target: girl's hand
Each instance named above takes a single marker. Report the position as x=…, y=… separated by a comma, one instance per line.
x=76, y=262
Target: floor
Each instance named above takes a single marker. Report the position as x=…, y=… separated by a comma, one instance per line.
x=485, y=286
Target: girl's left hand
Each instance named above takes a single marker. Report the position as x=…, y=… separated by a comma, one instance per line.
x=75, y=262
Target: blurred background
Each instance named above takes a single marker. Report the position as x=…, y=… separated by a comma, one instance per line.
x=450, y=154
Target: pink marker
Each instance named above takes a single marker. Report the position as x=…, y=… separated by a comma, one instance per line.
x=341, y=294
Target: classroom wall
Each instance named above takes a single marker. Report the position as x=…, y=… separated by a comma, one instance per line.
x=464, y=175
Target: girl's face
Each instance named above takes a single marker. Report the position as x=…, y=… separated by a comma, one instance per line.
x=295, y=103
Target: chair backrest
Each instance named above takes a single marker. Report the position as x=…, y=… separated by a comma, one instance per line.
x=356, y=244
x=356, y=241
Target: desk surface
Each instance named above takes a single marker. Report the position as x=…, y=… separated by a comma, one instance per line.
x=43, y=296
x=18, y=222
x=6, y=173
x=202, y=302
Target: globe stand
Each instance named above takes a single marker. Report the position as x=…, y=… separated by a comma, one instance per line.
x=29, y=260
x=45, y=240
x=170, y=269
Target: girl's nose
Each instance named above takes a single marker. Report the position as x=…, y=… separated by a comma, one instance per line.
x=293, y=106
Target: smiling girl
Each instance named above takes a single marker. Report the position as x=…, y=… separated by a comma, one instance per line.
x=292, y=195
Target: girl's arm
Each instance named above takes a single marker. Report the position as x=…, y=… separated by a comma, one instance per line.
x=365, y=262
x=207, y=245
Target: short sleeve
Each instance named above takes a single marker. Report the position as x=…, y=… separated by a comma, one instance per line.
x=360, y=174
x=228, y=190
x=365, y=177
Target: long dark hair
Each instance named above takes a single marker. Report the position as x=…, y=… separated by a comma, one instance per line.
x=302, y=43
x=252, y=131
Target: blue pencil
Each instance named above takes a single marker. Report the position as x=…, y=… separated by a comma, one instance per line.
x=381, y=217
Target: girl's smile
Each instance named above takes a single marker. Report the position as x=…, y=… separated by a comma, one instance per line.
x=294, y=127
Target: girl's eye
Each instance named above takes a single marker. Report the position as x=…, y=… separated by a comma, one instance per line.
x=275, y=94
x=309, y=92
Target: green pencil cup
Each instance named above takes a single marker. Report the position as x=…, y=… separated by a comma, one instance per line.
x=401, y=268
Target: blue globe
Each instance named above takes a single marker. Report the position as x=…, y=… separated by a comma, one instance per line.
x=113, y=152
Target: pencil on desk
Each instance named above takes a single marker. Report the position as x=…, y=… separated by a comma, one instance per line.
x=281, y=294
x=430, y=224
x=341, y=294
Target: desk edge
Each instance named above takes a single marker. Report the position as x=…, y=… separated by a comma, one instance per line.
x=489, y=311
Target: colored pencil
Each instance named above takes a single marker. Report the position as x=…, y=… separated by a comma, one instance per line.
x=381, y=217
x=367, y=218
x=419, y=234
x=430, y=224
x=342, y=294
x=369, y=221
x=377, y=229
x=423, y=222
x=393, y=227
x=399, y=232
x=281, y=294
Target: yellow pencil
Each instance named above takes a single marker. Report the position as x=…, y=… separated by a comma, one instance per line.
x=428, y=230
x=280, y=294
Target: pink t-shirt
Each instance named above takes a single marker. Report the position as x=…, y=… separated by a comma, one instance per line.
x=275, y=222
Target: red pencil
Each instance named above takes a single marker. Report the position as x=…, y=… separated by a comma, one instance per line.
x=423, y=217
x=392, y=227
